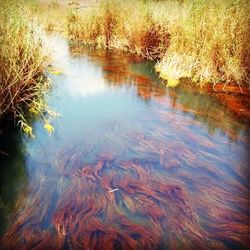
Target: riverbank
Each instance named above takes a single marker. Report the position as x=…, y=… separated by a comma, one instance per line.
x=23, y=62
x=205, y=43
x=190, y=41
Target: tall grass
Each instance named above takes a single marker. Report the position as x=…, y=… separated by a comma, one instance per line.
x=52, y=15
x=126, y=25
x=209, y=42
x=22, y=64
x=206, y=41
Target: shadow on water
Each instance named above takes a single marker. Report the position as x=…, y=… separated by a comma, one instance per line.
x=132, y=165
x=13, y=174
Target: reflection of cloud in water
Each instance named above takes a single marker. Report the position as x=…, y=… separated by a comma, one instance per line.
x=84, y=86
x=81, y=82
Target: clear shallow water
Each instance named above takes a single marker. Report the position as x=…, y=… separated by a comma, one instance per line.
x=131, y=165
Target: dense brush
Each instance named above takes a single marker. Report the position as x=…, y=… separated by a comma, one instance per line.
x=22, y=64
x=206, y=41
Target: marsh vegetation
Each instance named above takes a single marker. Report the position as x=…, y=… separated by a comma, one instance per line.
x=22, y=64
x=130, y=163
x=205, y=41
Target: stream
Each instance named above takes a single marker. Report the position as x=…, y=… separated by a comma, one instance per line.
x=131, y=164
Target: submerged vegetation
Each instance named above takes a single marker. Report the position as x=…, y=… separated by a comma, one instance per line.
x=205, y=41
x=22, y=64
x=133, y=164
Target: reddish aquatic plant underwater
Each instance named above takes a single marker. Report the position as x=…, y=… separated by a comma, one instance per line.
x=176, y=178
x=148, y=203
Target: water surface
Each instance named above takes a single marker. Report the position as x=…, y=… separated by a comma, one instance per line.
x=131, y=165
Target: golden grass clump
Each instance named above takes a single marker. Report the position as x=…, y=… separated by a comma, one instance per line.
x=93, y=26
x=51, y=15
x=126, y=25
x=209, y=42
x=206, y=41
x=22, y=64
